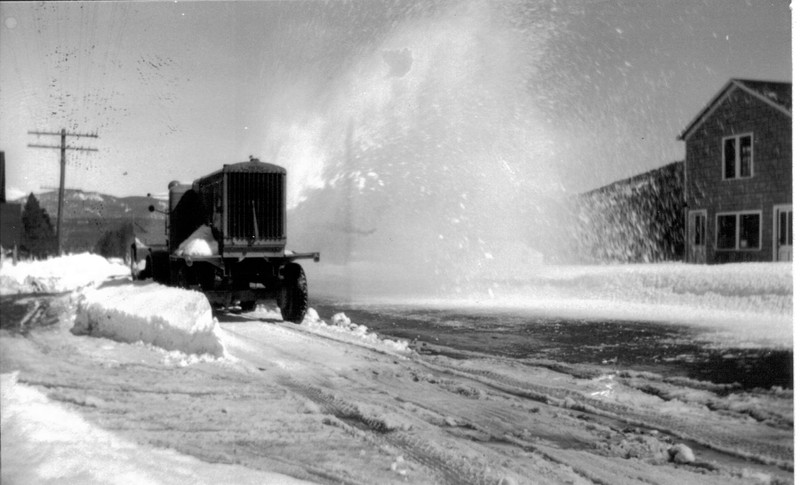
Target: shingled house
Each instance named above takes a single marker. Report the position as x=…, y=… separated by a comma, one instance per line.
x=738, y=175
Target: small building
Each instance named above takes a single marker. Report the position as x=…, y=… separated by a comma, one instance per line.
x=738, y=175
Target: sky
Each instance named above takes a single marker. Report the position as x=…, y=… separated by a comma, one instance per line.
x=597, y=90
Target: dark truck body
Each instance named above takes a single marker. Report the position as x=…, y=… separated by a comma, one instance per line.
x=244, y=204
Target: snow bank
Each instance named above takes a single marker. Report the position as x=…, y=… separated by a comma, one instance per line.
x=751, y=287
x=340, y=328
x=170, y=318
x=742, y=303
x=744, y=287
x=343, y=329
x=56, y=275
x=44, y=442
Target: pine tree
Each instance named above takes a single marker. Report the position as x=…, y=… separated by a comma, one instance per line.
x=39, y=238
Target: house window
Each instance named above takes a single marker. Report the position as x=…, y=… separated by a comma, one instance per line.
x=785, y=228
x=739, y=231
x=726, y=232
x=737, y=157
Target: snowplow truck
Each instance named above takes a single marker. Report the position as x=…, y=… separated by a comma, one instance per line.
x=226, y=237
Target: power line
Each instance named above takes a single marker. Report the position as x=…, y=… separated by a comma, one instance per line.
x=63, y=147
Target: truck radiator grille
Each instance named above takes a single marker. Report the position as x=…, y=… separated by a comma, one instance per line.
x=256, y=206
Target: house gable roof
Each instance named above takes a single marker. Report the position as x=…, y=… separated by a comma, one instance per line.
x=775, y=94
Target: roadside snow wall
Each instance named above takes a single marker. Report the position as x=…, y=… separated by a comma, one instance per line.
x=57, y=275
x=170, y=318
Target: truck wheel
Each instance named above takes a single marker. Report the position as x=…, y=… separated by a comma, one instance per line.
x=293, y=296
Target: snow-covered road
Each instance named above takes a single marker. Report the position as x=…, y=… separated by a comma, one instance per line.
x=330, y=402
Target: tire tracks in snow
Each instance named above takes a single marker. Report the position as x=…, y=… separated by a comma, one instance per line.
x=448, y=467
x=484, y=403
x=763, y=450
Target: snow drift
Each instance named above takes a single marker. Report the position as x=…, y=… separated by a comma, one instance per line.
x=56, y=275
x=170, y=318
x=342, y=328
x=43, y=442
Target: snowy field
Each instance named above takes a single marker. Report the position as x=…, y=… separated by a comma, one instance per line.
x=100, y=396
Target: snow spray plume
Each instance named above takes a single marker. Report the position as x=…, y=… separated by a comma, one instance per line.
x=426, y=150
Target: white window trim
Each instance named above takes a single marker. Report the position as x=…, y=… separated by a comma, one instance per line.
x=737, y=214
x=775, y=209
x=691, y=214
x=738, y=168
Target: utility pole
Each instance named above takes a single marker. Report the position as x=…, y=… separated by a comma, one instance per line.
x=63, y=147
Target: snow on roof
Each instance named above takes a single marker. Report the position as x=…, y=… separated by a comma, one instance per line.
x=775, y=94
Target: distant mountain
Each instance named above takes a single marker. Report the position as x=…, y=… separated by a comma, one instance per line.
x=93, y=205
x=88, y=216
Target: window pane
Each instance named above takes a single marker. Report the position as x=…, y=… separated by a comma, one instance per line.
x=750, y=231
x=729, y=155
x=746, y=156
x=782, y=228
x=726, y=232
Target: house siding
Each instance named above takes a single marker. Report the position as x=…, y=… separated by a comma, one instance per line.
x=771, y=184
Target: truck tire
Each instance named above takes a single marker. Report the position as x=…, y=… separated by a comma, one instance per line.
x=293, y=295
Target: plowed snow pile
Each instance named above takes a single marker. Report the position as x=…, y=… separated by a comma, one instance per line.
x=57, y=275
x=170, y=318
